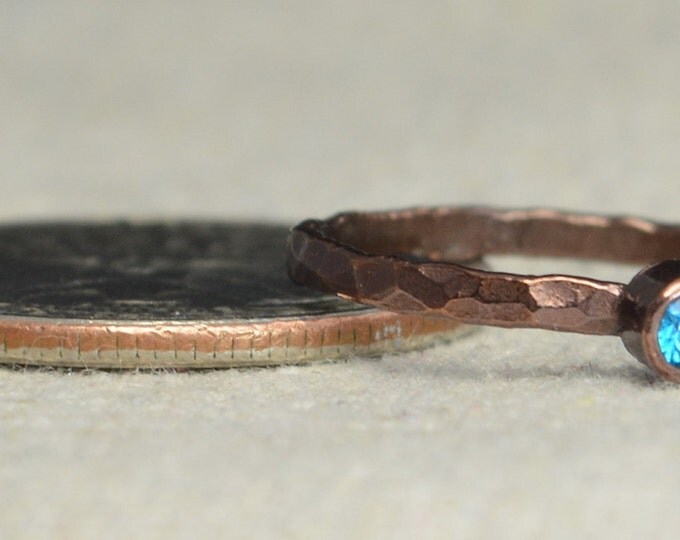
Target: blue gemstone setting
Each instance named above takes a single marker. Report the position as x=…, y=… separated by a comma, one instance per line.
x=669, y=334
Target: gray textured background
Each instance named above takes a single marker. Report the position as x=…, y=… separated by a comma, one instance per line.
x=286, y=110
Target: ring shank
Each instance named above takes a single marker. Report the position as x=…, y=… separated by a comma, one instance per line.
x=369, y=257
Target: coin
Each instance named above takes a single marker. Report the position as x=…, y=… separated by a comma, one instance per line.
x=175, y=295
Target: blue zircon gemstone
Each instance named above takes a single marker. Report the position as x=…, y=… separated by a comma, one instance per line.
x=669, y=334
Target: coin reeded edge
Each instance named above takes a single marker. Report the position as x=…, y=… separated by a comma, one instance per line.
x=200, y=344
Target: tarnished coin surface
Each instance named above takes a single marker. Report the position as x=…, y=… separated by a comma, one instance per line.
x=176, y=295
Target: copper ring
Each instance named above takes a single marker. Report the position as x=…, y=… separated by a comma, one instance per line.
x=403, y=261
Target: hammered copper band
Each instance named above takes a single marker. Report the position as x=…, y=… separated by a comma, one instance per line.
x=410, y=261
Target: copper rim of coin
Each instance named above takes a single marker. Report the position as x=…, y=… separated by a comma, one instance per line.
x=198, y=345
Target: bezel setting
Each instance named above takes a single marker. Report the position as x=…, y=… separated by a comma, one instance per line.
x=646, y=301
x=656, y=359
